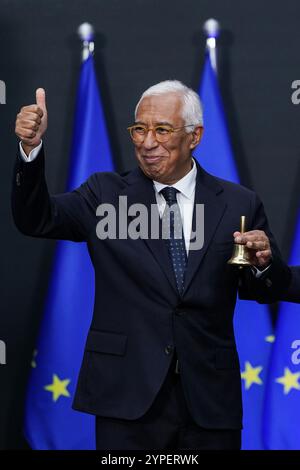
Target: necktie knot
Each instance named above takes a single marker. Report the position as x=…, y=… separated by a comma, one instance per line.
x=169, y=193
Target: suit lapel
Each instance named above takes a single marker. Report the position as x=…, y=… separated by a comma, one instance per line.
x=206, y=193
x=140, y=190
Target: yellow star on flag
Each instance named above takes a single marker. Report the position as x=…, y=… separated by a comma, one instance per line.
x=58, y=388
x=270, y=339
x=289, y=380
x=251, y=375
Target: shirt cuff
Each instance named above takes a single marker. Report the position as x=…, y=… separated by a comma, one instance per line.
x=33, y=154
x=257, y=273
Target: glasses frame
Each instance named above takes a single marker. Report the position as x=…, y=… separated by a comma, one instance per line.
x=170, y=129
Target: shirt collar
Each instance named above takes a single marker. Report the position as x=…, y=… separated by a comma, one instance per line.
x=185, y=185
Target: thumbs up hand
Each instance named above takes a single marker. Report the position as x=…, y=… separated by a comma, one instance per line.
x=31, y=122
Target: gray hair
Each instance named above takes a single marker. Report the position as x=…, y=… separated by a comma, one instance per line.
x=192, y=112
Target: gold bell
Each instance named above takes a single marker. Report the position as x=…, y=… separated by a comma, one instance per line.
x=240, y=255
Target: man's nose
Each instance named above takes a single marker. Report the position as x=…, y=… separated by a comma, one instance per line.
x=150, y=140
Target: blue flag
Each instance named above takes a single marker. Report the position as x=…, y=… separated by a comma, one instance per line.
x=50, y=422
x=253, y=328
x=282, y=403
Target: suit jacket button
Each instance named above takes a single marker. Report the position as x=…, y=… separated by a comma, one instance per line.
x=18, y=179
x=179, y=312
x=268, y=282
x=168, y=349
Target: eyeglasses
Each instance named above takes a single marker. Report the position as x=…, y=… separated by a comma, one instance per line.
x=138, y=132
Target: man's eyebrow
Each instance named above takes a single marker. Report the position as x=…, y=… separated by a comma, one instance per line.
x=159, y=123
x=164, y=123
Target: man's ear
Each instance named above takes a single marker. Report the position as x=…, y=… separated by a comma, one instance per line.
x=196, y=136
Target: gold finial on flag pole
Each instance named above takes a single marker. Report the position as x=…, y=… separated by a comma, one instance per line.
x=211, y=28
x=86, y=33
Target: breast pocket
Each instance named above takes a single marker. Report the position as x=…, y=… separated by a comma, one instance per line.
x=106, y=342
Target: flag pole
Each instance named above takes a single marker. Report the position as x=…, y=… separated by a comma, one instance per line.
x=211, y=28
x=86, y=33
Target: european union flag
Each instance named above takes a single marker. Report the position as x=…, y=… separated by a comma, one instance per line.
x=50, y=422
x=253, y=328
x=282, y=403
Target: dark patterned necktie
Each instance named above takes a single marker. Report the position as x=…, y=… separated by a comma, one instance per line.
x=173, y=231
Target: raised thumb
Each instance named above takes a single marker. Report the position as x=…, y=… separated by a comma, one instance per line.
x=41, y=98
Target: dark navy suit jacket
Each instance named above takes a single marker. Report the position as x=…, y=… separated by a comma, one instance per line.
x=139, y=318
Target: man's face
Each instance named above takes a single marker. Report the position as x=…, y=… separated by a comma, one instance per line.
x=169, y=161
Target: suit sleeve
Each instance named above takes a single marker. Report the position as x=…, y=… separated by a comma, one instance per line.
x=292, y=294
x=269, y=287
x=66, y=216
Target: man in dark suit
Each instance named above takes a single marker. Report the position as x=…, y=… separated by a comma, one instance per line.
x=160, y=368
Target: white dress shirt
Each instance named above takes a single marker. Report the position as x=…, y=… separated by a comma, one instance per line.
x=185, y=199
x=33, y=154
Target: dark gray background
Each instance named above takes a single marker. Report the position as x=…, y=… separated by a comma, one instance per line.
x=138, y=43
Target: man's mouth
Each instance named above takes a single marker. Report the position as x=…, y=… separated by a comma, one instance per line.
x=152, y=158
